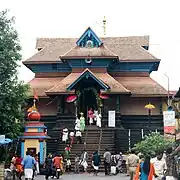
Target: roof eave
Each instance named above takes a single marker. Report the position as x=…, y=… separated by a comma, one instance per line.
x=149, y=95
x=92, y=57
x=43, y=97
x=111, y=92
x=40, y=62
x=140, y=60
x=60, y=93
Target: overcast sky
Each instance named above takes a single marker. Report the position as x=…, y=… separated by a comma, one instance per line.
x=159, y=19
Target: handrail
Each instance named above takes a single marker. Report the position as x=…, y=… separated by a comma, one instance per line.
x=85, y=142
x=100, y=139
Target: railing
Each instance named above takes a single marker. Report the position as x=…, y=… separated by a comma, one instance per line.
x=100, y=139
x=85, y=140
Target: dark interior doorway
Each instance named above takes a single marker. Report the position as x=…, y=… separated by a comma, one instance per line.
x=32, y=150
x=87, y=100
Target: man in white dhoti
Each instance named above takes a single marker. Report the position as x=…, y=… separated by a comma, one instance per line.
x=65, y=135
x=28, y=164
x=98, y=122
x=84, y=160
x=77, y=124
x=95, y=115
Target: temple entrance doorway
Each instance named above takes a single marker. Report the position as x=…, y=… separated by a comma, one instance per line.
x=87, y=100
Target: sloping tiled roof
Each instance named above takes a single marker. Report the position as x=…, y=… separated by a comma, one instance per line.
x=84, y=74
x=138, y=40
x=127, y=48
x=142, y=86
x=61, y=87
x=77, y=51
x=138, y=86
x=40, y=85
x=131, y=52
x=115, y=86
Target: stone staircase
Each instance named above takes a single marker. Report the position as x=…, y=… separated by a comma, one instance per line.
x=93, y=139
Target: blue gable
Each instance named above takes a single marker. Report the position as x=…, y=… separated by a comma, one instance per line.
x=88, y=74
x=89, y=36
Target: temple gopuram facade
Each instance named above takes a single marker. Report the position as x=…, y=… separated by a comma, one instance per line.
x=102, y=73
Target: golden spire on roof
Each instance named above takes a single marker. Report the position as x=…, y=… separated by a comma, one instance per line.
x=104, y=25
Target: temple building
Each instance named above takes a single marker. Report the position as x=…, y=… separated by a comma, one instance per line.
x=106, y=74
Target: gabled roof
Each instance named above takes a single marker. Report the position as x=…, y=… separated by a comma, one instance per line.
x=88, y=33
x=87, y=73
x=83, y=52
x=126, y=40
x=62, y=86
x=127, y=48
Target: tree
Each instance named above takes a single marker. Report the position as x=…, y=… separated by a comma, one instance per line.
x=155, y=142
x=13, y=93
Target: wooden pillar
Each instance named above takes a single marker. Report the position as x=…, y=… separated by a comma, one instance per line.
x=61, y=104
x=76, y=110
x=102, y=107
x=142, y=133
x=129, y=139
x=118, y=103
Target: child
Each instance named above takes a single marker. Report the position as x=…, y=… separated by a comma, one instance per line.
x=71, y=138
x=78, y=137
x=76, y=166
x=68, y=165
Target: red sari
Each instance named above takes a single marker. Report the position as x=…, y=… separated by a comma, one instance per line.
x=18, y=165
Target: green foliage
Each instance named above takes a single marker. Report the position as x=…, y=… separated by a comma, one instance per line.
x=13, y=93
x=98, y=99
x=151, y=144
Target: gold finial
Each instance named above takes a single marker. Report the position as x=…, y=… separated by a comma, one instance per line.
x=104, y=25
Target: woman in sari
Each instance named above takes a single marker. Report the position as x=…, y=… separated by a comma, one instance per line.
x=145, y=170
x=82, y=123
x=19, y=168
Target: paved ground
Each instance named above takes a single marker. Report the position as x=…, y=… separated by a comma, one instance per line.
x=89, y=176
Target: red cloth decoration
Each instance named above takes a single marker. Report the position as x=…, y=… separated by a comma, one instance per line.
x=103, y=96
x=71, y=98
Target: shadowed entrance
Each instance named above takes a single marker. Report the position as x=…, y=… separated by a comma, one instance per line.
x=87, y=100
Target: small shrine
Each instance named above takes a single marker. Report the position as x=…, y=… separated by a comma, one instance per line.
x=35, y=135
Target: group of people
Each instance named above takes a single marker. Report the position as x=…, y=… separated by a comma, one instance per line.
x=112, y=163
x=29, y=166
x=94, y=117
x=162, y=167
x=68, y=137
x=53, y=166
